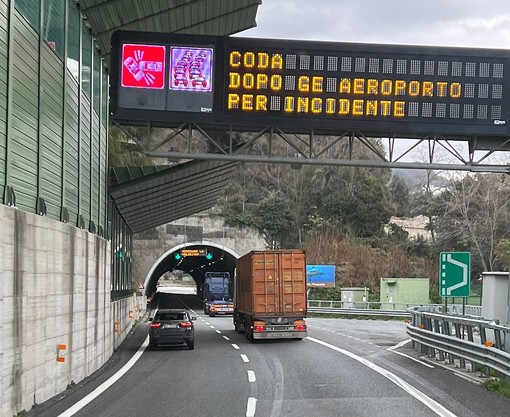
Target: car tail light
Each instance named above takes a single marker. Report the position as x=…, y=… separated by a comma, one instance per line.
x=217, y=305
x=259, y=326
x=155, y=325
x=185, y=324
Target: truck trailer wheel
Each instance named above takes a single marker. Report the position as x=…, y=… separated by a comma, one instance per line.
x=249, y=331
x=237, y=325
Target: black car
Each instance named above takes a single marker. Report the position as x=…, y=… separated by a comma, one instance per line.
x=172, y=327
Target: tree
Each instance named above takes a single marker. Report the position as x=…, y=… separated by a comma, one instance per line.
x=476, y=217
x=273, y=220
x=399, y=190
x=353, y=199
x=121, y=153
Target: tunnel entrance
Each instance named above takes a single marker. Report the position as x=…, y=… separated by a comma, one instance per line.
x=194, y=259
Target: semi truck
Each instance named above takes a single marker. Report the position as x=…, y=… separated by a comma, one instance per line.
x=217, y=293
x=270, y=298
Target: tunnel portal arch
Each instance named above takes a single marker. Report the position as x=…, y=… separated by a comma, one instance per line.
x=224, y=259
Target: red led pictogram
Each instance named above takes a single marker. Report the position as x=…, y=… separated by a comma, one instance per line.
x=143, y=66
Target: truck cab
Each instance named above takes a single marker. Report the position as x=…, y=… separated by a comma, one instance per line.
x=217, y=294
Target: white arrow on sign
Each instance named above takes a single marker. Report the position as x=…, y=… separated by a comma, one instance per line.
x=464, y=274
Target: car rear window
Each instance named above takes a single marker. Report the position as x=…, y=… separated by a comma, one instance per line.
x=170, y=316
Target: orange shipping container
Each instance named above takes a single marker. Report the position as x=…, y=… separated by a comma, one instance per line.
x=271, y=283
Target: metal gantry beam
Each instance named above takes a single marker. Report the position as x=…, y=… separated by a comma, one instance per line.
x=259, y=146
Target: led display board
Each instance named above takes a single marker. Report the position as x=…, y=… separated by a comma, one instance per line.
x=193, y=252
x=143, y=66
x=402, y=90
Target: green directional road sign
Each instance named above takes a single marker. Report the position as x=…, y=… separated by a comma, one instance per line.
x=455, y=274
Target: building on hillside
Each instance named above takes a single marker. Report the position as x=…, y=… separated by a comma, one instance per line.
x=415, y=226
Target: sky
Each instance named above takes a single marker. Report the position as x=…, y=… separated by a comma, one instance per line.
x=470, y=23
x=460, y=23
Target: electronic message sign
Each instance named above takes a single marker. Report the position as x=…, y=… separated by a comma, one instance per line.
x=143, y=66
x=406, y=91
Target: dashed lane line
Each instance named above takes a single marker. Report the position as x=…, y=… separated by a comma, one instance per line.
x=251, y=376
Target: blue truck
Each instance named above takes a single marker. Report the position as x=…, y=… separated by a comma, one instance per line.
x=217, y=292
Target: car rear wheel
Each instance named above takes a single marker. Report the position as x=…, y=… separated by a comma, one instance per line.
x=191, y=345
x=152, y=345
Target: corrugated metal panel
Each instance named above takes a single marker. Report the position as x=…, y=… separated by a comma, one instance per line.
x=103, y=176
x=23, y=140
x=85, y=156
x=71, y=165
x=169, y=194
x=52, y=78
x=213, y=17
x=95, y=172
x=3, y=91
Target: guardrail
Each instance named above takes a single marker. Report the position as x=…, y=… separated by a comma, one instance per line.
x=455, y=337
x=371, y=308
x=461, y=339
x=359, y=312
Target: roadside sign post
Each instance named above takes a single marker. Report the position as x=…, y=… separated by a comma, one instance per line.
x=454, y=274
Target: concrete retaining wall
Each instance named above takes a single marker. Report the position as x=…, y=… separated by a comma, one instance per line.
x=54, y=293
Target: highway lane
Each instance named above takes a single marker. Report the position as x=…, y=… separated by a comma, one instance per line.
x=372, y=340
x=228, y=376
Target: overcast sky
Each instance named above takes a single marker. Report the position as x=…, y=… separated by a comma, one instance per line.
x=465, y=23
x=472, y=23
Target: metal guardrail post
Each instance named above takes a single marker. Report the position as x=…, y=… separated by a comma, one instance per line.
x=453, y=337
x=497, y=340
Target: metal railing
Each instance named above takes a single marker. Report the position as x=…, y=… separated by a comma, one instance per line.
x=359, y=312
x=461, y=339
x=371, y=308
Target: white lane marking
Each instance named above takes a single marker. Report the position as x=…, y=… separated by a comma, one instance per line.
x=107, y=384
x=251, y=376
x=400, y=344
x=244, y=358
x=405, y=342
x=226, y=337
x=251, y=407
x=420, y=396
x=235, y=346
x=410, y=357
x=207, y=323
x=212, y=327
x=217, y=331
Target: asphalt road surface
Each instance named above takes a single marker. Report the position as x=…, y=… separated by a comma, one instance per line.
x=345, y=368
